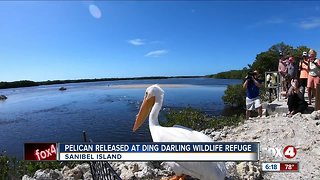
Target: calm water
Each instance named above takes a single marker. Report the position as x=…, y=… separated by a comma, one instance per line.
x=44, y=114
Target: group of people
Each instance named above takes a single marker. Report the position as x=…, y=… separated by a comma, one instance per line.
x=294, y=79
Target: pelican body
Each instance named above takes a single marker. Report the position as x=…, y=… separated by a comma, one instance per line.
x=151, y=106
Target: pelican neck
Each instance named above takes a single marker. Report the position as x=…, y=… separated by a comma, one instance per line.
x=154, y=114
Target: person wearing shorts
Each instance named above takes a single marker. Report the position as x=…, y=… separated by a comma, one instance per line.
x=252, y=85
x=314, y=72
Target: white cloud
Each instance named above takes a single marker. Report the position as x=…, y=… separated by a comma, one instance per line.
x=309, y=23
x=156, y=53
x=136, y=42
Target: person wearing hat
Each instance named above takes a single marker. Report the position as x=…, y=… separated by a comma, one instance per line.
x=314, y=73
x=304, y=72
x=252, y=85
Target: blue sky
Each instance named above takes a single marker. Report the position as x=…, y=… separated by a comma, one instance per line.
x=96, y=39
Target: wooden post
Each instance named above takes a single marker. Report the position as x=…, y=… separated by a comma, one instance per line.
x=317, y=104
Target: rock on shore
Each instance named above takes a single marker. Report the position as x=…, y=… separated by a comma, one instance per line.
x=126, y=170
x=301, y=131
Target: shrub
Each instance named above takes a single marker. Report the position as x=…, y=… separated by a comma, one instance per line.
x=195, y=119
x=235, y=95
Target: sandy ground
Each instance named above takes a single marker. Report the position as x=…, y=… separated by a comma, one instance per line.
x=301, y=131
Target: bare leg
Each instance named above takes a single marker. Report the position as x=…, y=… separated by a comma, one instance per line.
x=248, y=112
x=309, y=94
x=285, y=85
x=260, y=111
x=314, y=92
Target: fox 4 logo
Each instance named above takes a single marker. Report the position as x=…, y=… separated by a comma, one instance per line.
x=277, y=153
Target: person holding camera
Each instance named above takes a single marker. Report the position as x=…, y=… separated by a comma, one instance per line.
x=252, y=85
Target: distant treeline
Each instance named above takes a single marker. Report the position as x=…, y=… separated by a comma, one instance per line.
x=265, y=61
x=232, y=74
x=27, y=83
x=15, y=84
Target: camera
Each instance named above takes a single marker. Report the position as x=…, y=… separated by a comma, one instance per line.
x=250, y=74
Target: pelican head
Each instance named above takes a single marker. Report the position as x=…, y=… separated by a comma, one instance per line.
x=154, y=94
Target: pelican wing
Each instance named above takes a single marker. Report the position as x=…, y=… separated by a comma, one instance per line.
x=200, y=170
x=179, y=126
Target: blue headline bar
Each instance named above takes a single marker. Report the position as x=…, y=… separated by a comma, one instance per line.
x=226, y=147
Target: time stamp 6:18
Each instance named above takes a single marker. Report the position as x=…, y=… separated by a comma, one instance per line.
x=281, y=167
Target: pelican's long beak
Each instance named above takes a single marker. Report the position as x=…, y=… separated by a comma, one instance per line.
x=145, y=109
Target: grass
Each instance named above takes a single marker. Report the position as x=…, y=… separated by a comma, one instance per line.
x=195, y=119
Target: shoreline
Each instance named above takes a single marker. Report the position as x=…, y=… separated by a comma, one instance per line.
x=29, y=83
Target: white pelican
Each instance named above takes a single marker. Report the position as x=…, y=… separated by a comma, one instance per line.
x=152, y=104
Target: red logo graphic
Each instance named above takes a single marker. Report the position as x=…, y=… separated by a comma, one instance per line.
x=40, y=151
x=290, y=152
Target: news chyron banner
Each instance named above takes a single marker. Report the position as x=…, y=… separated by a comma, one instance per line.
x=216, y=151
